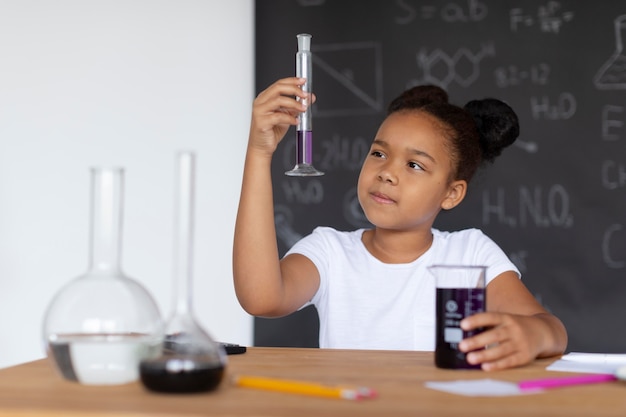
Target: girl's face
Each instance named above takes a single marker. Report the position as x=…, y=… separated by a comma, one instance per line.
x=405, y=179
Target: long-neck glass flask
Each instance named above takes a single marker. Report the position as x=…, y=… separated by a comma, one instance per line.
x=99, y=326
x=191, y=361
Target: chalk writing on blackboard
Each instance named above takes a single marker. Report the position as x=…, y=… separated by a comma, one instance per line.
x=526, y=145
x=283, y=220
x=562, y=107
x=607, y=242
x=613, y=175
x=513, y=75
x=356, y=71
x=549, y=18
x=309, y=192
x=612, y=75
x=442, y=69
x=536, y=206
x=352, y=211
x=340, y=152
x=509, y=76
x=462, y=11
x=612, y=123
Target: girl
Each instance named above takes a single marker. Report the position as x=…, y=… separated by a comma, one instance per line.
x=371, y=287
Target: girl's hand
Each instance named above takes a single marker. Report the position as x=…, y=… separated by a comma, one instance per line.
x=510, y=340
x=273, y=111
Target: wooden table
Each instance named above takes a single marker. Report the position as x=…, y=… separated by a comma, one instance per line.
x=34, y=389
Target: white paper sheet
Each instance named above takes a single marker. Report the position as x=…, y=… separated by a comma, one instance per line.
x=599, y=363
x=478, y=388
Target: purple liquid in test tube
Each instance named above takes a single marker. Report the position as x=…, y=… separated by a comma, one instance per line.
x=304, y=147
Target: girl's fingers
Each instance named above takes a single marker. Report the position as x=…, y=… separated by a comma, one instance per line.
x=275, y=119
x=278, y=112
x=481, y=320
x=285, y=87
x=495, y=333
x=479, y=341
x=275, y=109
x=283, y=103
x=279, y=103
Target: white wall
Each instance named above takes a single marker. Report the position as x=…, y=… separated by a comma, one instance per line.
x=119, y=82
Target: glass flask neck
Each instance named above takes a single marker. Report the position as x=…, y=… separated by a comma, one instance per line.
x=183, y=239
x=106, y=220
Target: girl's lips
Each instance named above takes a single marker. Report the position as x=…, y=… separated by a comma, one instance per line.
x=382, y=198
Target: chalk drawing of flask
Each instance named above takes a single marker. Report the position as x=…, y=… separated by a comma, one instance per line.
x=612, y=75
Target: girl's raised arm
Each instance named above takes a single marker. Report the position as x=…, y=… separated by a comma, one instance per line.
x=261, y=285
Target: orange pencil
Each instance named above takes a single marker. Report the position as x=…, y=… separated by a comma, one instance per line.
x=302, y=387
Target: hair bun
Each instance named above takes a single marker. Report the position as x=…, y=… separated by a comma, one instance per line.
x=417, y=97
x=497, y=125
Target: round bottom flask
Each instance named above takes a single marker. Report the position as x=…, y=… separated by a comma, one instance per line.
x=99, y=326
x=191, y=361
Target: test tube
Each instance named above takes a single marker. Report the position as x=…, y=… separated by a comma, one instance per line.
x=304, y=131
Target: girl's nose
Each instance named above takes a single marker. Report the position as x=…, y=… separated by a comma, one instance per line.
x=387, y=175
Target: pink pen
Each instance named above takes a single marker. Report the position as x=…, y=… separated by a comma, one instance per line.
x=543, y=383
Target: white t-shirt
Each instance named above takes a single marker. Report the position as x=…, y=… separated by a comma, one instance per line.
x=364, y=303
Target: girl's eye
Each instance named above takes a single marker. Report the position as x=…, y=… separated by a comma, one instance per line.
x=377, y=154
x=415, y=165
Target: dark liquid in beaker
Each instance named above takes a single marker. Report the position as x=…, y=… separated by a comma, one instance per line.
x=453, y=305
x=180, y=374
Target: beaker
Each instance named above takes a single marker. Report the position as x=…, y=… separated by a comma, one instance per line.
x=460, y=294
x=191, y=361
x=99, y=326
x=304, y=131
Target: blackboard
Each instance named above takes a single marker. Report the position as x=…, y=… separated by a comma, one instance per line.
x=555, y=201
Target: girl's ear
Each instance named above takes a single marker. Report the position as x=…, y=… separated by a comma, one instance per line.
x=456, y=194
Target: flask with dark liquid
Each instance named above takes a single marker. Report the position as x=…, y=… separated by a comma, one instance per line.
x=191, y=361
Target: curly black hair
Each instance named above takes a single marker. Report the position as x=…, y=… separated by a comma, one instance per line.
x=476, y=133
